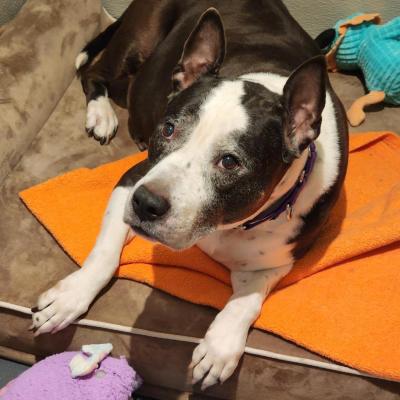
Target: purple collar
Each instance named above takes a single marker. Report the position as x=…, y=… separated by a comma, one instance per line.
x=287, y=201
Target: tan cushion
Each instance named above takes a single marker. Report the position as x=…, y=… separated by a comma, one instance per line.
x=37, y=50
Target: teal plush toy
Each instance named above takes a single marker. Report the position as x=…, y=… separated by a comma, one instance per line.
x=362, y=42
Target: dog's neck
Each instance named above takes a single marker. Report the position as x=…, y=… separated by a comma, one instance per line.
x=287, y=182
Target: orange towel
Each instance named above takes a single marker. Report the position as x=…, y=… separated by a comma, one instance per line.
x=350, y=313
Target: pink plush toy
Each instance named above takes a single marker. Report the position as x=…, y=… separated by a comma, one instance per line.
x=51, y=379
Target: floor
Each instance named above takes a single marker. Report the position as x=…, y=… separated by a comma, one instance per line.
x=10, y=370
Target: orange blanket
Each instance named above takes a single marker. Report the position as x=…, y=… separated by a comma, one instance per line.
x=350, y=313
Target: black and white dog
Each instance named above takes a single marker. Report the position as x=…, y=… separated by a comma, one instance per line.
x=247, y=152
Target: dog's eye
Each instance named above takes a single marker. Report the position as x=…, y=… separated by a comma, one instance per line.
x=168, y=130
x=228, y=161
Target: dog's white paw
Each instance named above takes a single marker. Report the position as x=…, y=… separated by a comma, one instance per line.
x=64, y=303
x=217, y=356
x=101, y=121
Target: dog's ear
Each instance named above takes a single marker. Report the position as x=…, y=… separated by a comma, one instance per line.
x=325, y=39
x=303, y=102
x=203, y=52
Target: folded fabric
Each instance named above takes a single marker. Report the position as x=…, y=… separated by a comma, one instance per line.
x=350, y=313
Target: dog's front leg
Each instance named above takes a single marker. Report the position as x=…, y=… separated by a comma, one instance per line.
x=218, y=354
x=71, y=297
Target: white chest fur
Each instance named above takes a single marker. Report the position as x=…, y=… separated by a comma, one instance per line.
x=262, y=247
x=266, y=245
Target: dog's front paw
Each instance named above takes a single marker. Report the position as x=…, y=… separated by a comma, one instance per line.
x=218, y=354
x=63, y=304
x=101, y=121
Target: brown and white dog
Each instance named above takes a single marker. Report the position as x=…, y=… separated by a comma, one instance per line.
x=247, y=152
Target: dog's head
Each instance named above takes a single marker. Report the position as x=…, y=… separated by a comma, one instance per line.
x=223, y=144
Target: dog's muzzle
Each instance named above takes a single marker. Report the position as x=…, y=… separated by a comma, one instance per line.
x=148, y=205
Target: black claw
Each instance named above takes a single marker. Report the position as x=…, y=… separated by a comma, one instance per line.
x=34, y=309
x=113, y=135
x=105, y=140
x=89, y=132
x=97, y=138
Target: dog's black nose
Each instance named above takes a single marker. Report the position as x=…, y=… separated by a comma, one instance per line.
x=147, y=205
